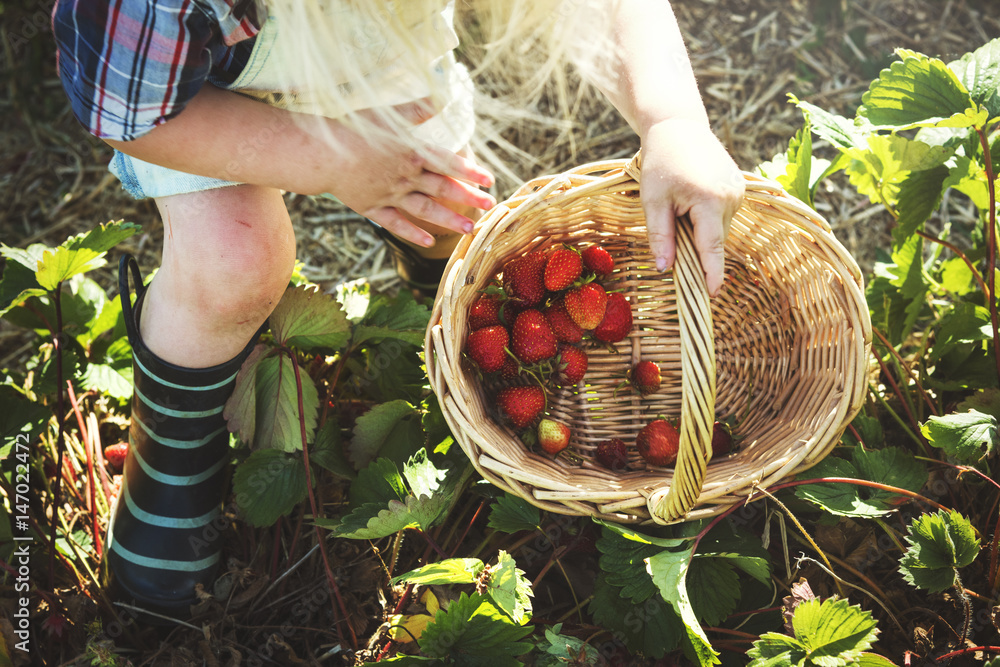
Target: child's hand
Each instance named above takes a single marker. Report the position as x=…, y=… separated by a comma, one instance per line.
x=685, y=169
x=386, y=180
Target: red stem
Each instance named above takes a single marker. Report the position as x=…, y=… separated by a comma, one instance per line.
x=91, y=490
x=468, y=528
x=992, y=245
x=312, y=501
x=948, y=656
x=906, y=406
x=916, y=378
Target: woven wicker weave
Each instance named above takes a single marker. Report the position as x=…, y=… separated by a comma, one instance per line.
x=783, y=349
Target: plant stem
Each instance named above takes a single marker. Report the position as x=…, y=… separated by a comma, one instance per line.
x=905, y=402
x=91, y=481
x=60, y=437
x=899, y=420
x=991, y=246
x=973, y=649
x=961, y=255
x=431, y=543
x=312, y=500
x=909, y=372
x=468, y=527
x=966, y=603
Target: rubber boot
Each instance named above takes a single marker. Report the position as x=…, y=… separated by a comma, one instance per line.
x=165, y=536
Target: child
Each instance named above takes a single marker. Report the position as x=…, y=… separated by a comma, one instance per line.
x=216, y=106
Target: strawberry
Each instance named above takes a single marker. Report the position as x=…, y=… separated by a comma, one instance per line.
x=572, y=365
x=115, y=455
x=612, y=454
x=598, y=260
x=532, y=337
x=524, y=278
x=658, y=442
x=564, y=266
x=617, y=321
x=586, y=305
x=521, y=405
x=486, y=347
x=511, y=370
x=485, y=312
x=553, y=436
x=722, y=439
x=646, y=377
x=563, y=326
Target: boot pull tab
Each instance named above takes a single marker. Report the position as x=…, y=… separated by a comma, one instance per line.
x=125, y=264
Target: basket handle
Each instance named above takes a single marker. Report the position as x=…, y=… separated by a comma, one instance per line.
x=694, y=311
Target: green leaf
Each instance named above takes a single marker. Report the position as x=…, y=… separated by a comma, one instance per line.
x=843, y=133
x=623, y=561
x=509, y=589
x=27, y=257
x=797, y=170
x=869, y=429
x=758, y=567
x=957, y=278
x=378, y=483
x=354, y=296
x=939, y=544
x=373, y=521
x=422, y=476
x=630, y=534
x=919, y=195
x=776, y=650
x=17, y=286
x=240, y=412
x=511, y=514
x=714, y=589
x=669, y=572
x=327, y=452
x=472, y=631
x=914, y=92
x=964, y=436
x=18, y=414
x=81, y=253
x=873, y=660
x=833, y=632
x=115, y=382
x=651, y=627
x=392, y=426
x=269, y=484
x=968, y=176
x=984, y=400
x=401, y=318
x=979, y=72
x=449, y=571
x=277, y=401
x=559, y=649
x=959, y=326
x=307, y=319
x=891, y=466
x=46, y=380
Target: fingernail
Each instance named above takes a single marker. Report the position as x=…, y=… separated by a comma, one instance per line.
x=427, y=241
x=661, y=263
x=468, y=227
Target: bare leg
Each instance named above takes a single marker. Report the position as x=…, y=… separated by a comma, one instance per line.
x=227, y=256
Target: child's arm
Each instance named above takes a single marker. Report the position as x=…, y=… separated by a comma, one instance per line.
x=685, y=169
x=221, y=134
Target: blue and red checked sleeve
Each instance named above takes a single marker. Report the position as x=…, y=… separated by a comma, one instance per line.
x=129, y=65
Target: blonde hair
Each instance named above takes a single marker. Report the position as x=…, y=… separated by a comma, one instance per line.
x=354, y=60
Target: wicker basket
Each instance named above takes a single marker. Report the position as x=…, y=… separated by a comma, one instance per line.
x=783, y=348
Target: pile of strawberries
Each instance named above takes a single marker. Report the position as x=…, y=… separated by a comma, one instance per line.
x=527, y=334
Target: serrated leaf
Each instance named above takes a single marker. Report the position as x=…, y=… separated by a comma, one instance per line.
x=509, y=589
x=651, y=627
x=873, y=660
x=277, y=401
x=109, y=380
x=307, y=319
x=373, y=521
x=843, y=133
x=757, y=567
x=714, y=589
x=269, y=484
x=834, y=632
x=964, y=436
x=892, y=466
x=984, y=400
x=18, y=414
x=378, y=483
x=510, y=514
x=17, y=286
x=630, y=533
x=387, y=429
x=240, y=412
x=560, y=649
x=979, y=72
x=327, y=452
x=473, y=630
x=869, y=429
x=422, y=476
x=968, y=176
x=939, y=543
x=916, y=91
x=957, y=277
x=919, y=195
x=27, y=257
x=668, y=570
x=401, y=318
x=776, y=650
x=623, y=562
x=449, y=571
x=81, y=253
x=354, y=296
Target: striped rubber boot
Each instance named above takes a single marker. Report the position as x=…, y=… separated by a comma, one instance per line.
x=166, y=533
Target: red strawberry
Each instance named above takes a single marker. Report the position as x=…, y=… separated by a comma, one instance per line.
x=532, y=337
x=646, y=377
x=485, y=312
x=598, y=260
x=586, y=305
x=617, y=321
x=511, y=370
x=486, y=347
x=524, y=278
x=521, y=405
x=564, y=266
x=115, y=455
x=658, y=442
x=722, y=439
x=553, y=436
x=612, y=454
x=563, y=326
x=572, y=365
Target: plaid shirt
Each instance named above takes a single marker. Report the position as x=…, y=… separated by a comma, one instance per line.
x=129, y=65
